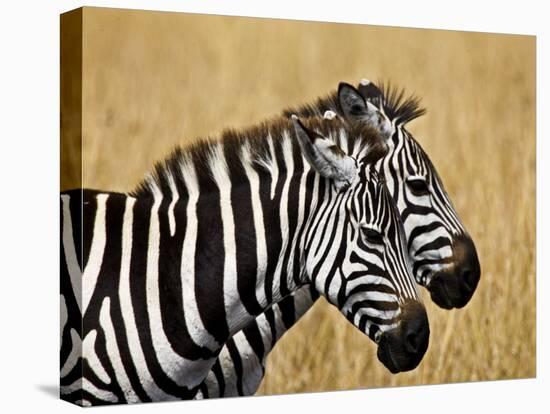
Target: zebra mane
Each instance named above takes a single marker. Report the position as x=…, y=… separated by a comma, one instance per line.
x=317, y=108
x=396, y=103
x=228, y=149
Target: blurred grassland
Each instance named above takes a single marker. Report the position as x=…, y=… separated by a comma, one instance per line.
x=152, y=80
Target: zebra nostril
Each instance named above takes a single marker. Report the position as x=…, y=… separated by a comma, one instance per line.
x=411, y=343
x=416, y=331
x=470, y=279
x=467, y=279
x=468, y=269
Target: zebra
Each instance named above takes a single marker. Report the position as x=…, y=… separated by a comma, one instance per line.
x=433, y=231
x=443, y=253
x=154, y=282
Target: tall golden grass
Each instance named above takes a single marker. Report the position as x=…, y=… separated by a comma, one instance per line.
x=152, y=80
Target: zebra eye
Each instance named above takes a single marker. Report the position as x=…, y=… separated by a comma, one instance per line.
x=418, y=186
x=373, y=236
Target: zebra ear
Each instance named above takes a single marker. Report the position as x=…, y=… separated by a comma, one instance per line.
x=370, y=91
x=357, y=109
x=352, y=103
x=325, y=157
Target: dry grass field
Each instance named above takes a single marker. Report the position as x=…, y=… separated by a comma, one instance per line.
x=153, y=80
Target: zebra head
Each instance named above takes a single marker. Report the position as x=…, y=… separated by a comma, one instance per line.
x=443, y=254
x=356, y=254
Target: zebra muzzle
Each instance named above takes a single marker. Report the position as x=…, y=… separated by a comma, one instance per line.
x=454, y=287
x=403, y=347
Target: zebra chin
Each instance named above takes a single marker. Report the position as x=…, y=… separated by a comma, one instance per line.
x=454, y=286
x=403, y=347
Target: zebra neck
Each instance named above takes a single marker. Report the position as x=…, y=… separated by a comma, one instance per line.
x=232, y=252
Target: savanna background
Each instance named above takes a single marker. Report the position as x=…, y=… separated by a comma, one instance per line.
x=152, y=80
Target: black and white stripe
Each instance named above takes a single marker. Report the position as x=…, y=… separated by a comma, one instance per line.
x=444, y=256
x=154, y=283
x=431, y=223
x=240, y=366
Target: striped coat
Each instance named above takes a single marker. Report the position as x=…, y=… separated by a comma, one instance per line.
x=155, y=282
